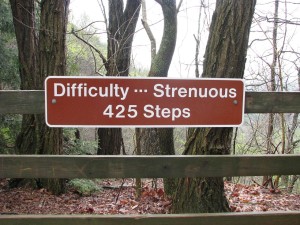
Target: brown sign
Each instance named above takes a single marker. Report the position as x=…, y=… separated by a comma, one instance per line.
x=143, y=102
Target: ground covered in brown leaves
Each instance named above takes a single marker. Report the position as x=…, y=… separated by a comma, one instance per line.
x=119, y=197
x=244, y=198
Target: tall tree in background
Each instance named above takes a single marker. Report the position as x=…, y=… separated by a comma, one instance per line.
x=275, y=69
x=52, y=61
x=24, y=22
x=291, y=143
x=120, y=32
x=225, y=57
x=159, y=141
x=40, y=56
x=272, y=87
x=152, y=141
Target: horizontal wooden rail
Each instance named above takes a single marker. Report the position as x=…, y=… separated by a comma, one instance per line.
x=266, y=218
x=32, y=102
x=272, y=102
x=48, y=166
x=22, y=102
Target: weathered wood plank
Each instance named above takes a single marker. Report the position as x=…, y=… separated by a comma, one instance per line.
x=266, y=218
x=272, y=102
x=22, y=102
x=48, y=166
x=32, y=102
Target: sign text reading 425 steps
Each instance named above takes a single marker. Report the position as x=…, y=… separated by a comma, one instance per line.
x=143, y=102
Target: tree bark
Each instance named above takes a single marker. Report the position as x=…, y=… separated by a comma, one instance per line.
x=159, y=68
x=267, y=180
x=39, y=57
x=162, y=60
x=225, y=56
x=24, y=23
x=150, y=141
x=109, y=141
x=52, y=61
x=160, y=141
x=138, y=181
x=121, y=28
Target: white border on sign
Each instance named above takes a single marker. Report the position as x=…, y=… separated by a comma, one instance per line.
x=140, y=126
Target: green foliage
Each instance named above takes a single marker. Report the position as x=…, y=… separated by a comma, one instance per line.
x=9, y=127
x=75, y=146
x=5, y=17
x=82, y=59
x=8, y=51
x=82, y=148
x=84, y=187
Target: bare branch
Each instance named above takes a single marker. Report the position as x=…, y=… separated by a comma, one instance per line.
x=148, y=30
x=179, y=5
x=295, y=143
x=92, y=47
x=90, y=24
x=257, y=39
x=196, y=56
x=102, y=7
x=283, y=21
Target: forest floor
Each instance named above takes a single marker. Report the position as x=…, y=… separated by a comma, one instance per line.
x=119, y=197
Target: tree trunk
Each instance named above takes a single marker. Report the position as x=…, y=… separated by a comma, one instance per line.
x=52, y=144
x=291, y=145
x=225, y=57
x=150, y=141
x=40, y=56
x=166, y=146
x=161, y=63
x=159, y=141
x=52, y=61
x=267, y=180
x=109, y=141
x=24, y=23
x=138, y=181
x=121, y=28
x=203, y=194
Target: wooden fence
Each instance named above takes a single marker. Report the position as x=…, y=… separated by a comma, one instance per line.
x=62, y=166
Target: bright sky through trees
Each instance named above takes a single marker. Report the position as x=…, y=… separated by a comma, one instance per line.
x=187, y=25
x=85, y=12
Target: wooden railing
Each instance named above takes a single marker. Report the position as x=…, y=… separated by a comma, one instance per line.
x=32, y=102
x=62, y=166
x=266, y=218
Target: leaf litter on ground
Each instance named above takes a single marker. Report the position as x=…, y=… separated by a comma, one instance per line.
x=119, y=197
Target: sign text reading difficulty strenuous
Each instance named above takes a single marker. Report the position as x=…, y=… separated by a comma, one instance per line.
x=143, y=102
